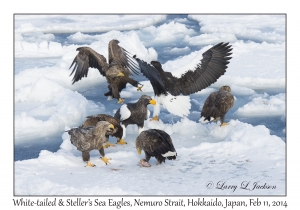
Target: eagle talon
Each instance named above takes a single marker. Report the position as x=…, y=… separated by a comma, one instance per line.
x=120, y=101
x=144, y=163
x=108, y=144
x=90, y=164
x=122, y=141
x=140, y=88
x=155, y=118
x=105, y=160
x=223, y=124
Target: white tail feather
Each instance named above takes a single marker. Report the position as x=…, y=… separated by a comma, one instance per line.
x=205, y=121
x=168, y=154
x=177, y=105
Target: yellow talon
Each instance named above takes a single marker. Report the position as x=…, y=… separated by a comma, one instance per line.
x=108, y=144
x=106, y=160
x=223, y=124
x=90, y=164
x=155, y=118
x=140, y=88
x=122, y=142
x=120, y=101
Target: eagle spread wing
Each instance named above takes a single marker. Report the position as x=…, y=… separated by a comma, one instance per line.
x=85, y=59
x=212, y=66
x=153, y=75
x=118, y=55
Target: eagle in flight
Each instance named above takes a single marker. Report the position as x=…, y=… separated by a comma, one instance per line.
x=118, y=70
x=167, y=87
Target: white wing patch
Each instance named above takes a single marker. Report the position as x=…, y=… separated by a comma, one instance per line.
x=169, y=153
x=177, y=105
x=124, y=112
x=205, y=121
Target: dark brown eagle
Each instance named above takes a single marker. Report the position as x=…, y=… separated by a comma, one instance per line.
x=155, y=143
x=90, y=138
x=116, y=132
x=117, y=71
x=217, y=105
x=211, y=67
x=134, y=113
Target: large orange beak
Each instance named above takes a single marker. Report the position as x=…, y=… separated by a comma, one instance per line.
x=153, y=102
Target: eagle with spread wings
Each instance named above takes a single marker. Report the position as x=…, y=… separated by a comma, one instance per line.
x=168, y=87
x=118, y=70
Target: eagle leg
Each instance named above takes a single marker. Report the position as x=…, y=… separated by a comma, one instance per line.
x=155, y=118
x=216, y=119
x=108, y=144
x=120, y=101
x=105, y=160
x=222, y=120
x=121, y=142
x=109, y=93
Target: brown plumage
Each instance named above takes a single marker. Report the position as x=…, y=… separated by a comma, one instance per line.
x=155, y=143
x=116, y=132
x=217, y=105
x=91, y=138
x=117, y=71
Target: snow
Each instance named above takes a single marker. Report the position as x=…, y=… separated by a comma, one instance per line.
x=250, y=148
x=264, y=106
x=203, y=153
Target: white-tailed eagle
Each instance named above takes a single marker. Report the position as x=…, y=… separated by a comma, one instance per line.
x=91, y=138
x=117, y=71
x=116, y=132
x=217, y=105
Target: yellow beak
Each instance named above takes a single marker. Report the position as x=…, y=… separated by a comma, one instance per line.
x=153, y=102
x=120, y=74
x=139, y=151
x=111, y=126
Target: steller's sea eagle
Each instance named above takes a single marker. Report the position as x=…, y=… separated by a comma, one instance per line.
x=117, y=71
x=90, y=138
x=134, y=113
x=217, y=105
x=155, y=143
x=166, y=87
x=116, y=132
